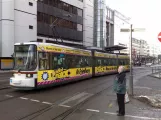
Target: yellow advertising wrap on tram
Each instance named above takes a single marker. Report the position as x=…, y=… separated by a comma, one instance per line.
x=50, y=75
x=64, y=50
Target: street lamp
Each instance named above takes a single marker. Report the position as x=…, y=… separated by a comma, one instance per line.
x=131, y=30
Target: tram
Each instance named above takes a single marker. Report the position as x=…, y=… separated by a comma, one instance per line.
x=38, y=65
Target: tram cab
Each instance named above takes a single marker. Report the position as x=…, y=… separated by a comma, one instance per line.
x=25, y=66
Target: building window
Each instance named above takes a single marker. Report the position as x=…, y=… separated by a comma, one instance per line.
x=45, y=1
x=30, y=27
x=46, y=18
x=74, y=10
x=79, y=27
x=75, y=26
x=60, y=4
x=40, y=17
x=70, y=8
x=49, y=19
x=30, y=3
x=55, y=3
x=79, y=12
x=65, y=7
x=50, y=2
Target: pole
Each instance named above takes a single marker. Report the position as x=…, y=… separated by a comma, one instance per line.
x=131, y=75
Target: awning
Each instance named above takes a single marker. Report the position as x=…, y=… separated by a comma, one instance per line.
x=115, y=47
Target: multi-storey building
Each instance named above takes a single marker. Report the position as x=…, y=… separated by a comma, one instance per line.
x=120, y=21
x=99, y=23
x=103, y=25
x=109, y=27
x=154, y=50
x=70, y=21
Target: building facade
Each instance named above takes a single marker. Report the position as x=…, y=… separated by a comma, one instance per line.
x=121, y=21
x=70, y=21
x=109, y=27
x=154, y=50
x=140, y=50
x=66, y=18
x=99, y=23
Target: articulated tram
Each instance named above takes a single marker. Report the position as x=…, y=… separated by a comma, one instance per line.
x=38, y=65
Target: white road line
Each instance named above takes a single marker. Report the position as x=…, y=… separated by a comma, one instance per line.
x=64, y=106
x=138, y=117
x=110, y=113
x=47, y=103
x=34, y=100
x=9, y=96
x=23, y=98
x=93, y=110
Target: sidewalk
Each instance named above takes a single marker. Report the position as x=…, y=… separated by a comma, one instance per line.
x=135, y=109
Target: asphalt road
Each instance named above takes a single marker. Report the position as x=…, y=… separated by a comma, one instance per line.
x=76, y=101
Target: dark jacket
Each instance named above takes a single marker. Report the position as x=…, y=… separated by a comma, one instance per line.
x=120, y=83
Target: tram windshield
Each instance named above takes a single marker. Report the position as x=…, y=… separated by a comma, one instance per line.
x=25, y=57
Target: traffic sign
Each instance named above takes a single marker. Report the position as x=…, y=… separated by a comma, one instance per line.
x=159, y=36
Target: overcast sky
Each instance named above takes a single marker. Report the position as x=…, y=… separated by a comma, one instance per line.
x=143, y=13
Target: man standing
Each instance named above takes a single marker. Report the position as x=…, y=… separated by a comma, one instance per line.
x=120, y=89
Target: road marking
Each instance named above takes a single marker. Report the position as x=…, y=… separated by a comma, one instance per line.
x=92, y=110
x=24, y=98
x=35, y=100
x=47, y=103
x=9, y=96
x=110, y=113
x=138, y=117
x=64, y=106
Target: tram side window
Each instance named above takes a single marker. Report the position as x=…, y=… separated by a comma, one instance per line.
x=105, y=62
x=121, y=61
x=110, y=62
x=124, y=61
x=58, y=61
x=98, y=62
x=43, y=61
x=78, y=62
x=69, y=61
x=113, y=61
x=128, y=62
x=86, y=61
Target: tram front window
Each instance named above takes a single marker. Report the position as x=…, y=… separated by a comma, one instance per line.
x=25, y=57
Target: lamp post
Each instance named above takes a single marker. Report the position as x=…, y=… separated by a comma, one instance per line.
x=131, y=75
x=131, y=30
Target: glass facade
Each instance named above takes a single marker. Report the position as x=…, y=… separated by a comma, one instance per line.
x=100, y=23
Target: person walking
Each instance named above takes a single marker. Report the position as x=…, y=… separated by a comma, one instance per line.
x=120, y=89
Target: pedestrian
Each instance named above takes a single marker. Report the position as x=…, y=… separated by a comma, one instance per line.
x=120, y=89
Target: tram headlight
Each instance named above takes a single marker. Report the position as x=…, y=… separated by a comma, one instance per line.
x=29, y=75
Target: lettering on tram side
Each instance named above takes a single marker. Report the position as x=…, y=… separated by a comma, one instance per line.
x=105, y=68
x=82, y=71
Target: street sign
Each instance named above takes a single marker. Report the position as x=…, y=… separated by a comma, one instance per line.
x=159, y=36
x=125, y=30
x=139, y=29
x=133, y=30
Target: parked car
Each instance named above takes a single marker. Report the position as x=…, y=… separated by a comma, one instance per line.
x=138, y=63
x=148, y=64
